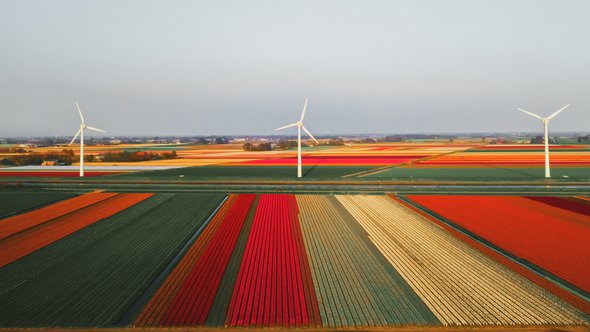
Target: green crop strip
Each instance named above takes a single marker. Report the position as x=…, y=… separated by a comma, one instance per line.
x=92, y=277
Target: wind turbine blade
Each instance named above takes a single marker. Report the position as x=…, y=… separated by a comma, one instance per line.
x=95, y=129
x=287, y=126
x=559, y=111
x=80, y=112
x=531, y=114
x=304, y=109
x=77, y=133
x=310, y=135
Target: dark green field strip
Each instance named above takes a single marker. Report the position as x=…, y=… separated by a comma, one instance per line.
x=20, y=201
x=355, y=285
x=482, y=173
x=30, y=266
x=218, y=312
x=199, y=173
x=98, y=282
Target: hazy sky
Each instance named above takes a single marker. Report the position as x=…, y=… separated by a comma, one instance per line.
x=245, y=67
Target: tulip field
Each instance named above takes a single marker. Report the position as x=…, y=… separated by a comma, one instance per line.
x=93, y=276
x=290, y=261
x=274, y=260
x=550, y=232
x=384, y=161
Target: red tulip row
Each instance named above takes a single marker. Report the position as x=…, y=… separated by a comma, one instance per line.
x=553, y=238
x=193, y=302
x=154, y=311
x=27, y=241
x=19, y=223
x=274, y=285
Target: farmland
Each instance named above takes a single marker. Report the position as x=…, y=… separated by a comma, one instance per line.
x=227, y=238
x=97, y=281
x=546, y=221
x=284, y=260
x=383, y=162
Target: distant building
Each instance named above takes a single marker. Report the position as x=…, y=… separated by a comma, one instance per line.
x=50, y=162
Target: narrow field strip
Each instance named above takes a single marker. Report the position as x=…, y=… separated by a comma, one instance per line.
x=20, y=201
x=569, y=204
x=221, y=303
x=355, y=285
x=194, y=299
x=550, y=237
x=459, y=284
x=24, y=243
x=270, y=289
x=18, y=223
x=87, y=288
x=43, y=260
x=155, y=309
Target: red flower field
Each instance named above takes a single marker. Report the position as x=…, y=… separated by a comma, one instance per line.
x=552, y=237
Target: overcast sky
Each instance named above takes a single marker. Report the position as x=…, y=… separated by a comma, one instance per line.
x=245, y=67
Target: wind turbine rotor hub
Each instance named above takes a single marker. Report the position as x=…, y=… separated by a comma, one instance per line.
x=299, y=123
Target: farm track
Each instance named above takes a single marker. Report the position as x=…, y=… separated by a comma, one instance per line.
x=553, y=188
x=547, y=226
x=86, y=288
x=460, y=285
x=25, y=242
x=355, y=285
x=21, y=222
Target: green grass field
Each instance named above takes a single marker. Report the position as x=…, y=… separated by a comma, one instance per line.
x=491, y=173
x=205, y=173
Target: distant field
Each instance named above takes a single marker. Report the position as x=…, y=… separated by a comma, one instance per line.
x=243, y=173
x=435, y=161
x=483, y=173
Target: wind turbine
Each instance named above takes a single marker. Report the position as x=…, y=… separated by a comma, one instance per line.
x=81, y=133
x=300, y=126
x=545, y=124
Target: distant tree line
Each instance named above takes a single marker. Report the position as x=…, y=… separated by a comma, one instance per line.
x=541, y=140
x=257, y=147
x=131, y=156
x=288, y=144
x=65, y=157
x=12, y=150
x=584, y=139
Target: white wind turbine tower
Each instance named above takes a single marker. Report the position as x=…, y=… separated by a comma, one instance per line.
x=300, y=126
x=81, y=133
x=545, y=124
